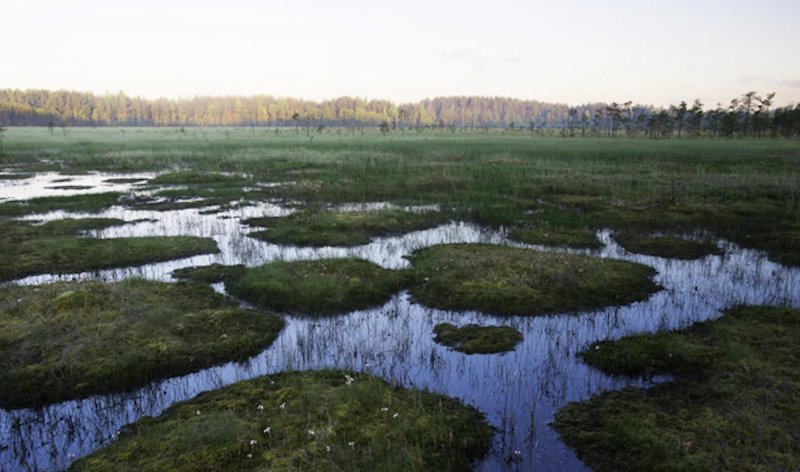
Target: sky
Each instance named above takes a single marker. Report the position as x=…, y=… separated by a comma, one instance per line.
x=651, y=52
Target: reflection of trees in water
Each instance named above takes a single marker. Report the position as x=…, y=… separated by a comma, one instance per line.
x=519, y=391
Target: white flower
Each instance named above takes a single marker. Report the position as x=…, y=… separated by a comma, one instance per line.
x=249, y=456
x=352, y=444
x=260, y=407
x=395, y=415
x=384, y=409
x=311, y=432
x=267, y=430
x=71, y=456
x=517, y=452
x=253, y=442
x=348, y=379
x=197, y=413
x=282, y=406
x=328, y=448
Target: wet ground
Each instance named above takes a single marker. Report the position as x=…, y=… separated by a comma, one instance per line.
x=519, y=391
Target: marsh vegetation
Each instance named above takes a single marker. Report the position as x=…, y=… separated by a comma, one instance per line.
x=731, y=404
x=394, y=235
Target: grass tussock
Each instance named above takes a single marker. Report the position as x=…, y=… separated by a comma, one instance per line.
x=71, y=340
x=342, y=228
x=733, y=403
x=209, y=274
x=475, y=339
x=666, y=246
x=321, y=287
x=57, y=248
x=324, y=420
x=89, y=203
x=511, y=281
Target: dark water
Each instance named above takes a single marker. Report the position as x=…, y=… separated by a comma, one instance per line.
x=518, y=391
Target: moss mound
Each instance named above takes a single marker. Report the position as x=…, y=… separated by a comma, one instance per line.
x=341, y=228
x=326, y=420
x=77, y=203
x=71, y=340
x=475, y=339
x=556, y=236
x=511, y=281
x=322, y=287
x=665, y=246
x=732, y=406
x=209, y=274
x=56, y=247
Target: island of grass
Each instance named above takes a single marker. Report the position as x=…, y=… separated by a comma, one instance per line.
x=209, y=274
x=665, y=246
x=556, y=236
x=57, y=248
x=323, y=420
x=90, y=203
x=341, y=228
x=72, y=340
x=733, y=403
x=475, y=339
x=510, y=281
x=321, y=287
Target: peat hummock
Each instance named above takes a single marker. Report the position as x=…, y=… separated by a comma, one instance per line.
x=318, y=420
x=510, y=281
x=72, y=340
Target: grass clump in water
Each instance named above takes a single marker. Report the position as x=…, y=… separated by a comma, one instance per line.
x=665, y=246
x=56, y=248
x=323, y=420
x=341, y=228
x=71, y=340
x=209, y=274
x=731, y=406
x=556, y=236
x=511, y=281
x=475, y=339
x=322, y=287
x=89, y=203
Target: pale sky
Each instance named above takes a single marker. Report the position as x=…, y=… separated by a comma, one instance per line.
x=651, y=52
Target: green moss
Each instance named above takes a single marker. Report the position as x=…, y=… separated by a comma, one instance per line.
x=510, y=281
x=341, y=228
x=556, y=236
x=475, y=339
x=316, y=422
x=731, y=406
x=71, y=340
x=665, y=246
x=76, y=203
x=209, y=274
x=321, y=287
x=55, y=247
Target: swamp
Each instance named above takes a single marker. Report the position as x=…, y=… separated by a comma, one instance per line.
x=251, y=298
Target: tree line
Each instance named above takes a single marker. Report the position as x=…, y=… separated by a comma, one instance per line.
x=750, y=115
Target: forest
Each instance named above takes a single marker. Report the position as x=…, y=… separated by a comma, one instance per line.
x=750, y=115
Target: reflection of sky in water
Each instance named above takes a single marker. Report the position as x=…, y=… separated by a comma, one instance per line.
x=518, y=391
x=46, y=185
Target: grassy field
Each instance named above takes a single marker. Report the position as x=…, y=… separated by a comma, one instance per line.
x=745, y=190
